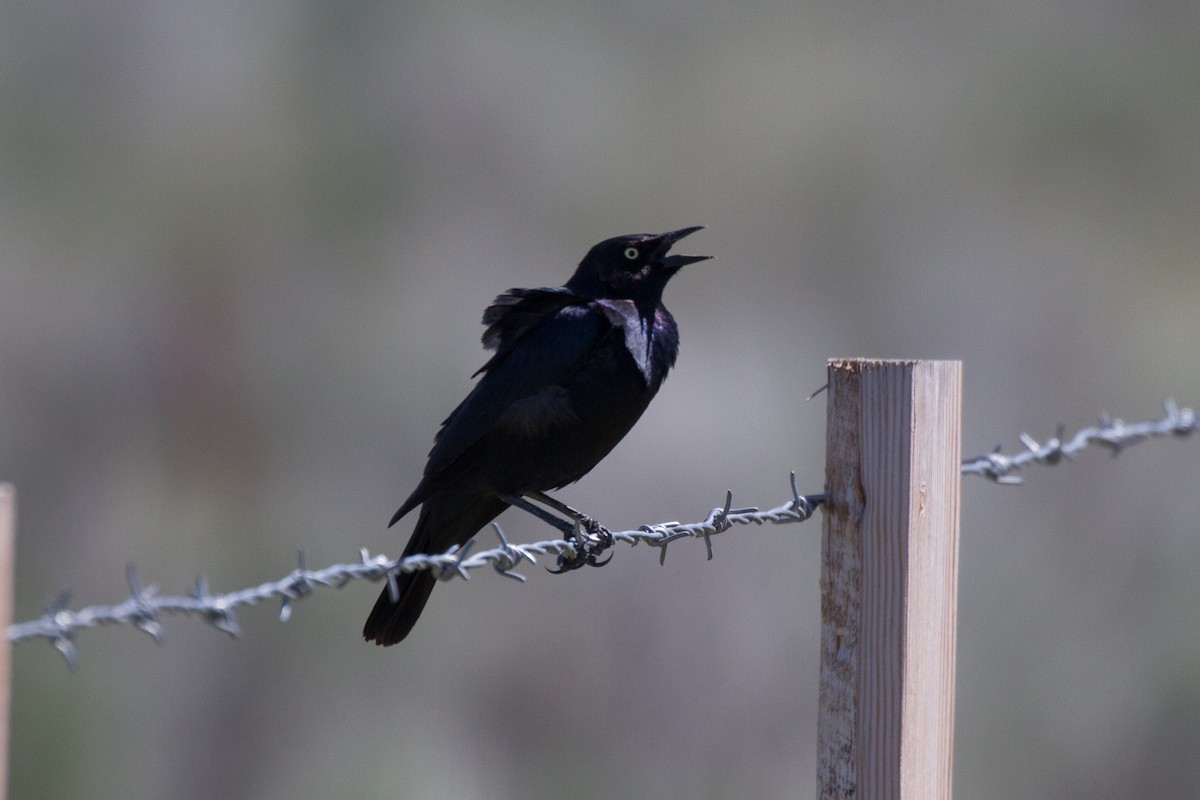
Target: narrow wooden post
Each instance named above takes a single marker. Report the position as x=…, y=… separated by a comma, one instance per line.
x=889, y=580
x=8, y=535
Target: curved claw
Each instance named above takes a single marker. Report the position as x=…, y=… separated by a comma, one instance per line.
x=567, y=565
x=602, y=534
x=586, y=548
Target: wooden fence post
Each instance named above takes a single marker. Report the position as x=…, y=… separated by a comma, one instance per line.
x=8, y=535
x=889, y=580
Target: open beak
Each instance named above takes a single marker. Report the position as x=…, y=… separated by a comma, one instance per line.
x=676, y=261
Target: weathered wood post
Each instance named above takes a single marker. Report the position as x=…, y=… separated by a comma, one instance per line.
x=889, y=580
x=8, y=535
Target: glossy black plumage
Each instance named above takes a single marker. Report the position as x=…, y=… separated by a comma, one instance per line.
x=574, y=367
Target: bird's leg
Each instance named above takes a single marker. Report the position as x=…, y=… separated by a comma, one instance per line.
x=545, y=516
x=587, y=523
x=593, y=528
x=594, y=541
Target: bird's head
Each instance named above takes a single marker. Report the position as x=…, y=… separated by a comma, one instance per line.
x=636, y=267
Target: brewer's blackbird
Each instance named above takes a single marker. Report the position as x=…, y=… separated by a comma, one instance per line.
x=574, y=368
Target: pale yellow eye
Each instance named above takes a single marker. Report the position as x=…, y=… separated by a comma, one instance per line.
x=631, y=253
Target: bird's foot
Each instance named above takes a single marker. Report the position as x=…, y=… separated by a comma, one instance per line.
x=589, y=540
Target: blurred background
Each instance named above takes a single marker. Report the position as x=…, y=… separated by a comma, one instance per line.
x=244, y=249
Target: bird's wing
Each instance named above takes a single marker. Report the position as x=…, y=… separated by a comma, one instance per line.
x=517, y=310
x=513, y=313
x=541, y=337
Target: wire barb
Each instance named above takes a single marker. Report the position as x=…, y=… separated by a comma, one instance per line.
x=509, y=557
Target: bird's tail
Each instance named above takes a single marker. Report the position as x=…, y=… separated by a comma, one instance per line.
x=444, y=521
x=391, y=621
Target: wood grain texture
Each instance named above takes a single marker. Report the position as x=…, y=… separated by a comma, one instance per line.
x=889, y=578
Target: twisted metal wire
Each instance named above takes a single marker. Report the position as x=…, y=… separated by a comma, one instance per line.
x=1113, y=434
x=144, y=607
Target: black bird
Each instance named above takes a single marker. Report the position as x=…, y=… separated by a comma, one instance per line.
x=574, y=368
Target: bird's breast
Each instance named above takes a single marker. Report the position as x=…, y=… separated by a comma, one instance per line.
x=650, y=339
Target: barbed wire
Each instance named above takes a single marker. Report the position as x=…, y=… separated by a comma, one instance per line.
x=1113, y=434
x=144, y=607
